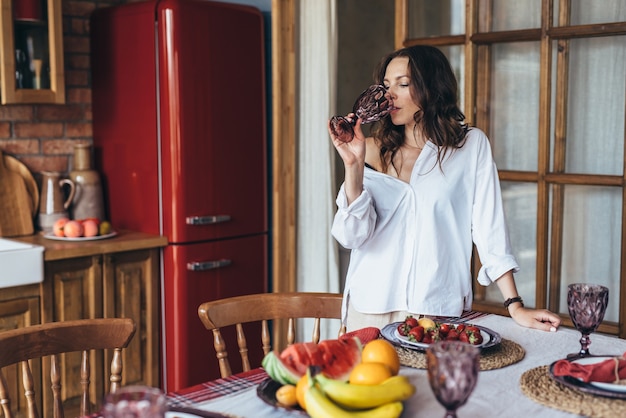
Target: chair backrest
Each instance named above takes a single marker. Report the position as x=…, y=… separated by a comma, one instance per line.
x=265, y=307
x=53, y=339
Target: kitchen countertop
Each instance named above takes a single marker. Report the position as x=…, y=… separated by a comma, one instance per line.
x=123, y=241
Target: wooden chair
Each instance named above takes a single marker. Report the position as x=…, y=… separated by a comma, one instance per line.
x=263, y=308
x=53, y=339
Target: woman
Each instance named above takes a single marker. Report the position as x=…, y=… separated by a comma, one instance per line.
x=416, y=195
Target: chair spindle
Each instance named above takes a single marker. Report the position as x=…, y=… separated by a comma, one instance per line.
x=243, y=347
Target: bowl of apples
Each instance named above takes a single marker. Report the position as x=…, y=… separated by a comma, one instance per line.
x=66, y=229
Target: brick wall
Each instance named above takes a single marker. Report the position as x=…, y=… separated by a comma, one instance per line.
x=42, y=136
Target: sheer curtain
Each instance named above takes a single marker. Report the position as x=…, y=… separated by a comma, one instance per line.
x=318, y=266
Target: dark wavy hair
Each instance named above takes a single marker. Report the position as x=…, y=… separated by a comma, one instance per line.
x=434, y=89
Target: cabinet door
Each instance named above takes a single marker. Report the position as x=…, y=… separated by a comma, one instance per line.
x=72, y=289
x=19, y=312
x=131, y=290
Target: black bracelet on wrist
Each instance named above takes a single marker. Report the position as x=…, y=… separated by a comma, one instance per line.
x=513, y=300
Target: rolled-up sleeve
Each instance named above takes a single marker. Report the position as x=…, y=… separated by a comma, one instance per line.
x=354, y=224
x=489, y=229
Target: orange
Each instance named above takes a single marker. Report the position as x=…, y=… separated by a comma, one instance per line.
x=381, y=351
x=286, y=395
x=301, y=387
x=369, y=374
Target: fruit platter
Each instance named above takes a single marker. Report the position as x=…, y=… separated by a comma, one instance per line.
x=419, y=334
x=65, y=229
x=336, y=378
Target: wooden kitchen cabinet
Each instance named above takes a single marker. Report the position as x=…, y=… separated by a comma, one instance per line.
x=131, y=290
x=117, y=277
x=31, y=52
x=20, y=307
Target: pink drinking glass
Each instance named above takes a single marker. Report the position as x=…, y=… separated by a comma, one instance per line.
x=586, y=304
x=371, y=105
x=452, y=373
x=135, y=402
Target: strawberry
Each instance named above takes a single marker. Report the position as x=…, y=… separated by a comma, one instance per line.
x=411, y=321
x=403, y=329
x=472, y=328
x=444, y=329
x=452, y=335
x=416, y=334
x=475, y=338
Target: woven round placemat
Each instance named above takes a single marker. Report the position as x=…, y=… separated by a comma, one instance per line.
x=540, y=387
x=504, y=354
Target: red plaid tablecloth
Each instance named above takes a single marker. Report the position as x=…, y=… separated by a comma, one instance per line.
x=193, y=395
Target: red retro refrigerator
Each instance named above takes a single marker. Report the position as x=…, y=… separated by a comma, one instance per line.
x=179, y=127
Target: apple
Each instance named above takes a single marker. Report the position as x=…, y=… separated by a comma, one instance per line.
x=73, y=229
x=90, y=227
x=96, y=220
x=58, y=227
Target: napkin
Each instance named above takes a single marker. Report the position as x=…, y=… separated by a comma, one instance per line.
x=607, y=371
x=365, y=335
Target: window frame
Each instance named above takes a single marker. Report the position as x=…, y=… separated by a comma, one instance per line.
x=550, y=182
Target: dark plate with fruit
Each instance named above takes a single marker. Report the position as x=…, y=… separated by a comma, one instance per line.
x=488, y=338
x=50, y=235
x=267, y=392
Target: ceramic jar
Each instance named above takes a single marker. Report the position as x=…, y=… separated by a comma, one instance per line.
x=88, y=201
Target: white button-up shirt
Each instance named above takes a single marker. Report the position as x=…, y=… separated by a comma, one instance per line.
x=412, y=242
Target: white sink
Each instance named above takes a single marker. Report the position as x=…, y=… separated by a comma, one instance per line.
x=20, y=263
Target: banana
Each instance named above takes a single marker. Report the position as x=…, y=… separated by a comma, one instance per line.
x=396, y=388
x=318, y=405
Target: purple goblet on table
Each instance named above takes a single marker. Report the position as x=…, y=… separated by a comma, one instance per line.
x=452, y=373
x=135, y=402
x=371, y=105
x=586, y=304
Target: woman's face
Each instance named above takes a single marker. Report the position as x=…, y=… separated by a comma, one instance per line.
x=398, y=84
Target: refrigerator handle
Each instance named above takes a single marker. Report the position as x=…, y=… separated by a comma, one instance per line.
x=207, y=265
x=206, y=220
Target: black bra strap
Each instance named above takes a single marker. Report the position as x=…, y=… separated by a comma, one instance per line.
x=369, y=166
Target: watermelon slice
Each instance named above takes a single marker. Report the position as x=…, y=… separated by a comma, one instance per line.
x=336, y=358
x=278, y=371
x=298, y=357
x=340, y=357
x=365, y=335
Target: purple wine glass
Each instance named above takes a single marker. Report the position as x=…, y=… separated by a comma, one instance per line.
x=372, y=105
x=586, y=304
x=452, y=373
x=135, y=402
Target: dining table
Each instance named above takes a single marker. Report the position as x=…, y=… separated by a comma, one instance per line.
x=514, y=380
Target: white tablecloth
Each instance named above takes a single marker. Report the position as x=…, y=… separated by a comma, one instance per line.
x=497, y=393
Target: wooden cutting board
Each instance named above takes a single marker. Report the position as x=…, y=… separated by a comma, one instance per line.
x=16, y=202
